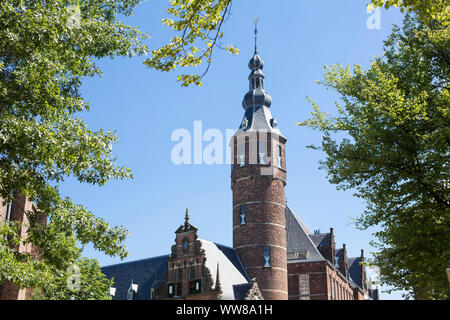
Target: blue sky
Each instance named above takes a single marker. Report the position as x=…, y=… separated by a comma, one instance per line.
x=144, y=107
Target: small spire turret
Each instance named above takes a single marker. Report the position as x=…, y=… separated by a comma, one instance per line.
x=186, y=218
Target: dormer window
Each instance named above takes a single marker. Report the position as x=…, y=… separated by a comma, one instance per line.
x=112, y=291
x=244, y=124
x=273, y=123
x=132, y=291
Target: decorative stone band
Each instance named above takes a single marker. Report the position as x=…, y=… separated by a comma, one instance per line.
x=257, y=176
x=261, y=267
x=248, y=224
x=274, y=290
x=260, y=202
x=261, y=245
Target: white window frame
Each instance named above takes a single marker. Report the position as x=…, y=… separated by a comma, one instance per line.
x=262, y=152
x=241, y=154
x=279, y=156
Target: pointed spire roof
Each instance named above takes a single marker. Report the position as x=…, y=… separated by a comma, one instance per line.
x=218, y=286
x=186, y=217
x=186, y=227
x=298, y=238
x=257, y=101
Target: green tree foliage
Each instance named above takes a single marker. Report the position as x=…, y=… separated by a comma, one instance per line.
x=46, y=49
x=426, y=10
x=197, y=24
x=84, y=281
x=390, y=141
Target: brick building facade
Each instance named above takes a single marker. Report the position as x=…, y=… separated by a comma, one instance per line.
x=274, y=255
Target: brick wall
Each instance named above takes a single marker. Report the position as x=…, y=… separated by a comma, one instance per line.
x=325, y=282
x=265, y=226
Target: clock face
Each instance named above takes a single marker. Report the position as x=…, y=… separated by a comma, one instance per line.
x=185, y=245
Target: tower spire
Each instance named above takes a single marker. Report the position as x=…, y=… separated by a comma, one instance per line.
x=186, y=218
x=256, y=35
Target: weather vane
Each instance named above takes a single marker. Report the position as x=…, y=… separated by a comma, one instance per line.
x=256, y=31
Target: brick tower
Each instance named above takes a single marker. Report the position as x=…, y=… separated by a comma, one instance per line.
x=258, y=178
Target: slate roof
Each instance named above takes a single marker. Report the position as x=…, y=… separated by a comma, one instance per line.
x=355, y=269
x=340, y=253
x=233, y=278
x=240, y=290
x=298, y=238
x=141, y=272
x=235, y=281
x=321, y=239
x=231, y=271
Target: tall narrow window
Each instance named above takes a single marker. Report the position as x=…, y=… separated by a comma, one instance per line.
x=191, y=273
x=331, y=287
x=262, y=152
x=171, y=290
x=243, y=215
x=195, y=286
x=132, y=290
x=335, y=289
x=179, y=274
x=130, y=295
x=303, y=286
x=179, y=289
x=279, y=158
x=244, y=124
x=242, y=154
x=8, y=212
x=266, y=257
